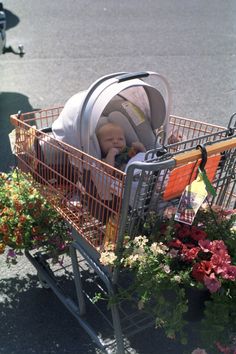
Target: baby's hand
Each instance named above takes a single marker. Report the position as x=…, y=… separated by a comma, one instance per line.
x=110, y=158
x=139, y=147
x=113, y=152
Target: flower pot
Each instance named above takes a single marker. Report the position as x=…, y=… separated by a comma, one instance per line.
x=196, y=303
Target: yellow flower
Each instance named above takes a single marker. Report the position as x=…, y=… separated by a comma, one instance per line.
x=2, y=247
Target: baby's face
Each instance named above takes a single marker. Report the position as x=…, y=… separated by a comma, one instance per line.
x=111, y=136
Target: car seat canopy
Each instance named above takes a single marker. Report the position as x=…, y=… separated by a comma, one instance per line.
x=137, y=106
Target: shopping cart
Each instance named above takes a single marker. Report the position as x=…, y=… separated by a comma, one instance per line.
x=102, y=203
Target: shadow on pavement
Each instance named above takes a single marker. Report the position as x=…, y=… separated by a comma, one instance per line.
x=34, y=321
x=10, y=103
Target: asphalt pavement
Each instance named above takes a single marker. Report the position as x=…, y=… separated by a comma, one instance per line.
x=68, y=45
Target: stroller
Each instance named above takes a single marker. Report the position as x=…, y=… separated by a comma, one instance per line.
x=59, y=148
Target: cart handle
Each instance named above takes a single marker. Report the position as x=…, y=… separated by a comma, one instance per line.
x=131, y=76
x=194, y=155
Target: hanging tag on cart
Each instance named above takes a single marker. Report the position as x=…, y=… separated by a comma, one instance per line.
x=192, y=198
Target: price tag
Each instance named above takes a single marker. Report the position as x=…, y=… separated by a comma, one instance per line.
x=192, y=198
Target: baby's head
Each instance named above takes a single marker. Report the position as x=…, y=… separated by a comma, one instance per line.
x=110, y=135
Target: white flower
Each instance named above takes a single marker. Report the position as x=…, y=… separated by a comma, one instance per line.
x=108, y=258
x=233, y=228
x=158, y=248
x=140, y=251
x=140, y=241
x=131, y=260
x=199, y=351
x=140, y=304
x=173, y=253
x=177, y=278
x=166, y=268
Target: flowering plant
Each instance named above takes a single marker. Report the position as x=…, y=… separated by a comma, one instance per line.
x=27, y=221
x=170, y=259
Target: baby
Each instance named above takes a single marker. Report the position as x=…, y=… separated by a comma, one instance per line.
x=113, y=146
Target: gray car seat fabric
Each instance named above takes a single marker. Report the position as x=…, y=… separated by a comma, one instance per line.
x=64, y=128
x=136, y=119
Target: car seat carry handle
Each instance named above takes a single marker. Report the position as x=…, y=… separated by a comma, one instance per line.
x=131, y=76
x=102, y=91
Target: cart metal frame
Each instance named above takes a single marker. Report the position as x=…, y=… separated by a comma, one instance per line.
x=79, y=204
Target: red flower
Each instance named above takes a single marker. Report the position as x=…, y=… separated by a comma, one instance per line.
x=212, y=283
x=184, y=231
x=198, y=234
x=190, y=254
x=176, y=244
x=189, y=245
x=200, y=269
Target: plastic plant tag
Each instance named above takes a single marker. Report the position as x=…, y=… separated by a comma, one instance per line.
x=191, y=200
x=12, y=139
x=209, y=187
x=111, y=232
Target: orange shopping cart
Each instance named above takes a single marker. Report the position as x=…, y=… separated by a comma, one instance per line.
x=60, y=150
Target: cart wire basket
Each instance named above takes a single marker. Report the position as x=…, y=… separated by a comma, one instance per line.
x=101, y=203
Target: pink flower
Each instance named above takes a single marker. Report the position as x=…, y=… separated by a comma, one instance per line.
x=205, y=245
x=229, y=273
x=219, y=246
x=224, y=350
x=220, y=262
x=212, y=283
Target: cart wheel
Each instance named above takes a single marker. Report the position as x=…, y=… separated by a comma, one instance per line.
x=42, y=281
